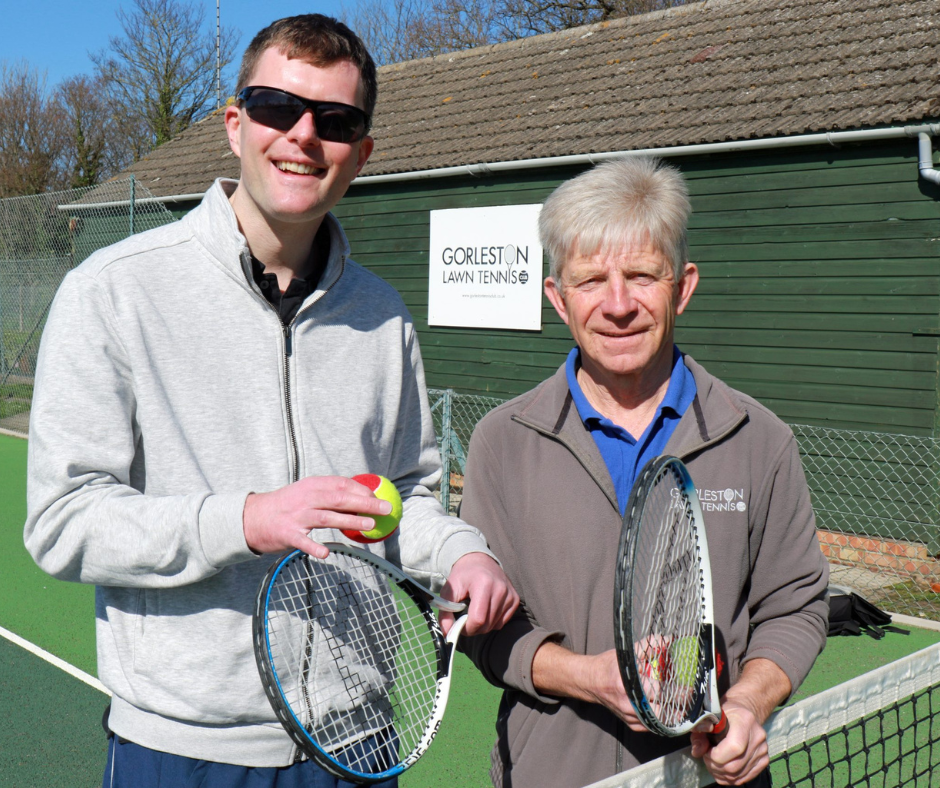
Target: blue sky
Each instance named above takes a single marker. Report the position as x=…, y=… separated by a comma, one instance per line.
x=56, y=36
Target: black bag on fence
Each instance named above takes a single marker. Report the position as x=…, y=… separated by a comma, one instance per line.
x=850, y=614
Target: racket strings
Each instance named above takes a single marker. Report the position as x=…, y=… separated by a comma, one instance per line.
x=355, y=659
x=667, y=627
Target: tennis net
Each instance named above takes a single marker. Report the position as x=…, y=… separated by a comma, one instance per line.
x=881, y=729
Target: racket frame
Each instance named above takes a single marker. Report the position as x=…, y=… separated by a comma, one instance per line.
x=424, y=599
x=707, y=706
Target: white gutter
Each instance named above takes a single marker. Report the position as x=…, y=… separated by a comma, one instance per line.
x=88, y=206
x=927, y=170
x=833, y=138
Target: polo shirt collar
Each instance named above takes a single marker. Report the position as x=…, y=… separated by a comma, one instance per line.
x=679, y=393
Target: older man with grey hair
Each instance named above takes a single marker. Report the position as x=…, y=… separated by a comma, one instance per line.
x=549, y=475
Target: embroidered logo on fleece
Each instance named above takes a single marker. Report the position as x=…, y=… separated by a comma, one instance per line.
x=727, y=500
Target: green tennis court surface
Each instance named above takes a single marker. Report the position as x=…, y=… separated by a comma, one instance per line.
x=48, y=735
x=50, y=722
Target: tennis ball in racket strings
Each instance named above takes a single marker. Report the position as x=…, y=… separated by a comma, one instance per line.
x=657, y=663
x=386, y=524
x=684, y=655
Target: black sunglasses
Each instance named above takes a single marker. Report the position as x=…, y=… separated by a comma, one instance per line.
x=280, y=110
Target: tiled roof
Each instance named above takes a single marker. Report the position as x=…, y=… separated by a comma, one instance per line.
x=189, y=163
x=706, y=72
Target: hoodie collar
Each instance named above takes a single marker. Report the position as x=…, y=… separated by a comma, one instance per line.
x=215, y=226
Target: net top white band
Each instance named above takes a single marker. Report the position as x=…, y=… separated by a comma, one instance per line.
x=802, y=721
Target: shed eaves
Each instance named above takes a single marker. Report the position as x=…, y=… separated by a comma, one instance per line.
x=708, y=72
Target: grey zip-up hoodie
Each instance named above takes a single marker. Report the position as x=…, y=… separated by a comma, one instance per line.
x=166, y=391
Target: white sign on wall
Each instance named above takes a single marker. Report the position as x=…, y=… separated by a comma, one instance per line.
x=486, y=268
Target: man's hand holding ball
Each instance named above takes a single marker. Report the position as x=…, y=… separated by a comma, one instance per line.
x=288, y=518
x=385, y=525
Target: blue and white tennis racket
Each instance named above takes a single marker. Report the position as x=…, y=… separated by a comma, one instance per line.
x=353, y=660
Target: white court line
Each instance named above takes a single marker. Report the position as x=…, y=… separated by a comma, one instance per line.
x=32, y=648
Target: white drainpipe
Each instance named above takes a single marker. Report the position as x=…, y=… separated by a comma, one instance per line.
x=927, y=170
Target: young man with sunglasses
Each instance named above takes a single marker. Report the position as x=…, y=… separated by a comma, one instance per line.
x=205, y=390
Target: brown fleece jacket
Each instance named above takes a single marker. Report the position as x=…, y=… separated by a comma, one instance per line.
x=537, y=487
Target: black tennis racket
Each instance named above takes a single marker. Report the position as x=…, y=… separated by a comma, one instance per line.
x=353, y=660
x=663, y=617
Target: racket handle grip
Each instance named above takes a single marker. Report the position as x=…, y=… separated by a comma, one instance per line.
x=720, y=730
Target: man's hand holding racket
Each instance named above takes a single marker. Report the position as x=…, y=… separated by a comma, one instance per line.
x=478, y=580
x=742, y=754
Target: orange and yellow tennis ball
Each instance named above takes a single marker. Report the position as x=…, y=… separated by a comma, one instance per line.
x=657, y=665
x=385, y=525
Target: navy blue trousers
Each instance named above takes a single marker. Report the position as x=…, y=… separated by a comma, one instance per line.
x=132, y=766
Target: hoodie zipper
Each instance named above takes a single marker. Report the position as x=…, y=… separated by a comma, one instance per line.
x=288, y=404
x=288, y=352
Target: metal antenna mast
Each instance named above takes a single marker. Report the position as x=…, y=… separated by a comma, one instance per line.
x=218, y=55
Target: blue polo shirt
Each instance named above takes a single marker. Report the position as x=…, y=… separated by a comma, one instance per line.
x=623, y=454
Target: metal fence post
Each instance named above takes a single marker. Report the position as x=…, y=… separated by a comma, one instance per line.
x=3, y=355
x=446, y=427
x=133, y=196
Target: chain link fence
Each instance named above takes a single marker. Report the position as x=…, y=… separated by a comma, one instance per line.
x=455, y=416
x=875, y=495
x=877, y=505
x=42, y=237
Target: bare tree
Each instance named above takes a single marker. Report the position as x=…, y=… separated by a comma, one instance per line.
x=393, y=31
x=406, y=29
x=464, y=24
x=92, y=137
x=531, y=17
x=399, y=30
x=161, y=74
x=30, y=132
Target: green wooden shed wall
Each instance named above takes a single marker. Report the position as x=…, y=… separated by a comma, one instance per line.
x=819, y=290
